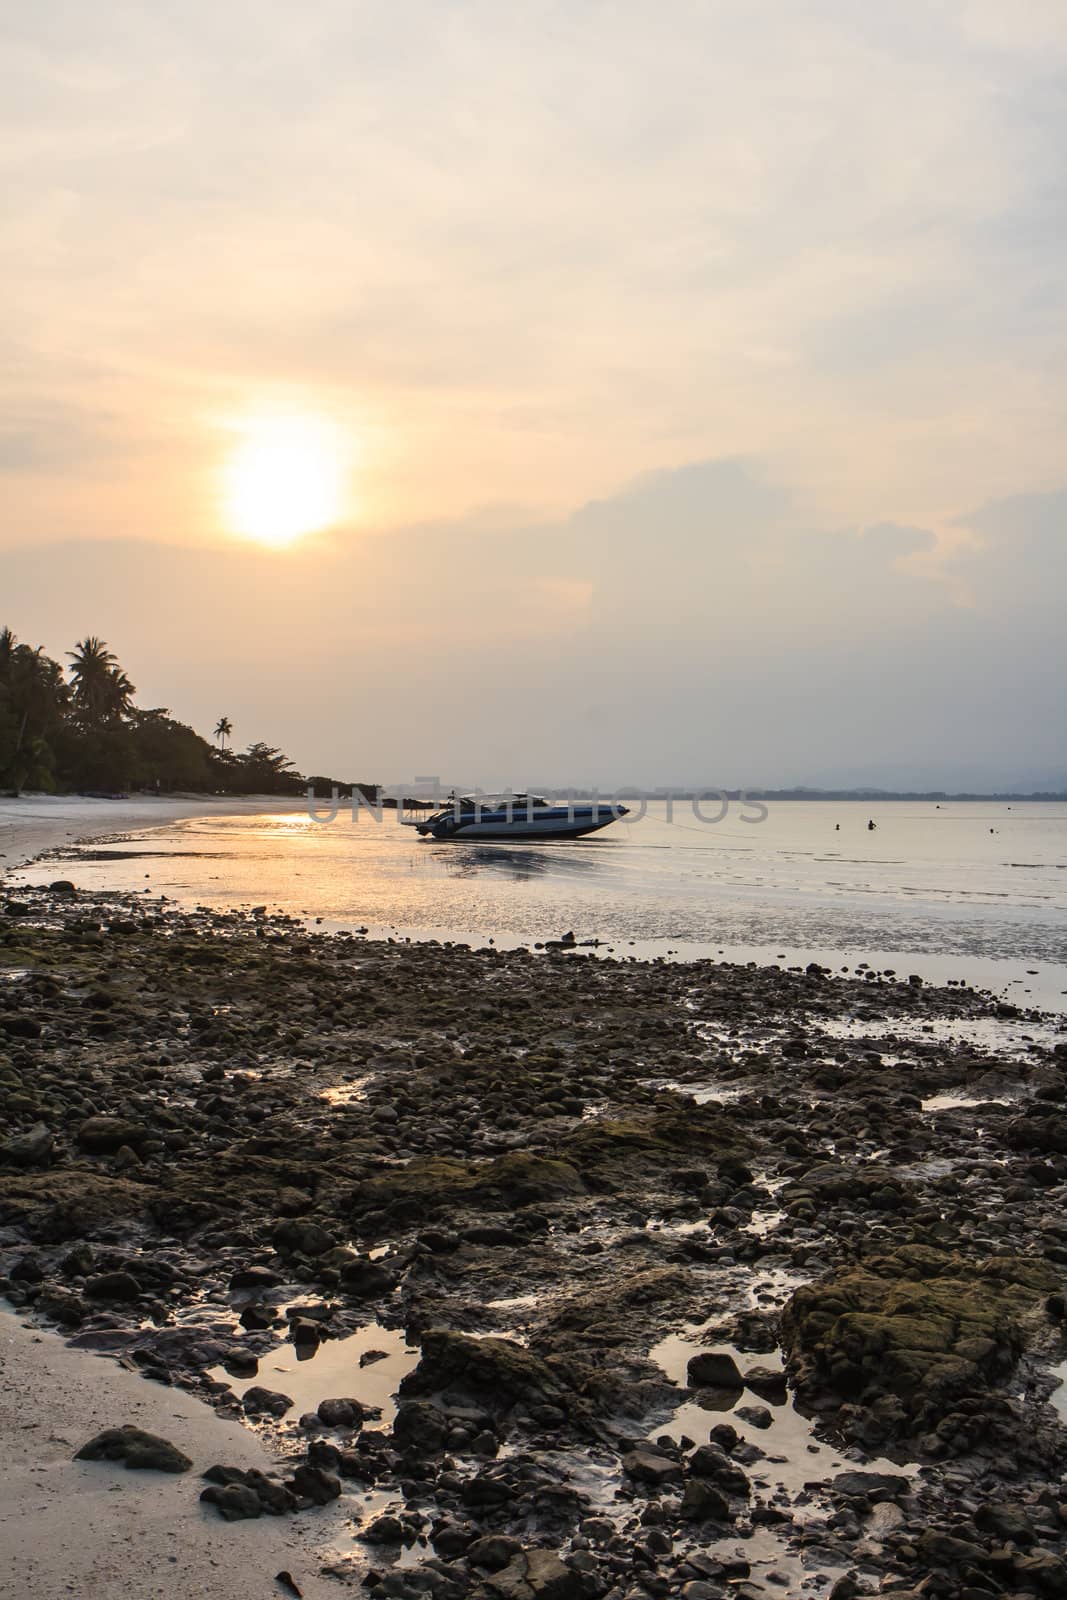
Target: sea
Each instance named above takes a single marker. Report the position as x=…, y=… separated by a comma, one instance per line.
x=964, y=892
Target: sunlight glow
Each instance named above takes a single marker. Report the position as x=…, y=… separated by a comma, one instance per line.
x=285, y=478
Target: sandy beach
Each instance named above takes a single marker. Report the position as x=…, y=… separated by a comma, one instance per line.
x=38, y=822
x=527, y=1277
x=78, y=1527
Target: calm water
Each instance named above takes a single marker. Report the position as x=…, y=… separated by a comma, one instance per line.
x=931, y=890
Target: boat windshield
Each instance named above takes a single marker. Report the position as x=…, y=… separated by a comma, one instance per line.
x=496, y=802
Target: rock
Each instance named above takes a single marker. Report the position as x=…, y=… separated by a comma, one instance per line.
x=917, y=1330
x=712, y=1465
x=293, y=1237
x=649, y=1466
x=430, y=1185
x=493, y=1551
x=137, y=1448
x=314, y=1483
x=274, y=1498
x=101, y=1136
x=61, y=1306
x=304, y=1332
x=19, y=1026
x=767, y=1382
x=874, y=1485
x=31, y=1149
x=241, y=1363
x=758, y=1416
x=235, y=1502
x=383, y=1530
x=256, y=1318
x=943, y=1550
x=254, y=1278
x=343, y=1413
x=1044, y=1571
x=419, y=1423
x=113, y=1286
x=366, y=1280
x=702, y=1502
x=260, y=1402
x=496, y=1371
x=1006, y=1521
x=714, y=1369
x=535, y=1575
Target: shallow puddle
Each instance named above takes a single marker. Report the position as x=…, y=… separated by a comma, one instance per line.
x=958, y=1100
x=346, y=1094
x=793, y=1457
x=333, y=1370
x=996, y=1036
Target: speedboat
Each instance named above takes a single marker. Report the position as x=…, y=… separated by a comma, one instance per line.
x=516, y=816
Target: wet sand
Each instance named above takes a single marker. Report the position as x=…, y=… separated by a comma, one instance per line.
x=36, y=822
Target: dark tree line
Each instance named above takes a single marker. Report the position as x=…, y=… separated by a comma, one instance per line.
x=79, y=730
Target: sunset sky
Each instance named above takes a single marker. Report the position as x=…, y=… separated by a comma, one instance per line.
x=559, y=392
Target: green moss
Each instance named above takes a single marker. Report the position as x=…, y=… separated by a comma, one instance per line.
x=921, y=1325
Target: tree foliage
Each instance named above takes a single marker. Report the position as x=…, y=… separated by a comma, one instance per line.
x=82, y=731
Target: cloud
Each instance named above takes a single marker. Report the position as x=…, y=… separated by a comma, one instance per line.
x=517, y=247
x=693, y=627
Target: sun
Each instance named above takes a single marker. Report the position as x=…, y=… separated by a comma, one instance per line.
x=285, y=478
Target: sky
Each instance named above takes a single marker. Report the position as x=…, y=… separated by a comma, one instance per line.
x=671, y=394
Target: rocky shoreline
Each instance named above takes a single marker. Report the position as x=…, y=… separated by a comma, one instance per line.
x=567, y=1277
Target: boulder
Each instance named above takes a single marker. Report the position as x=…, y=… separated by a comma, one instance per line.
x=102, y=1136
x=113, y=1286
x=906, y=1335
x=235, y=1502
x=714, y=1369
x=294, y=1237
x=31, y=1149
x=648, y=1465
x=535, y=1575
x=261, y=1402
x=137, y=1448
x=340, y=1413
x=421, y=1425
x=493, y=1551
x=497, y=1372
x=702, y=1502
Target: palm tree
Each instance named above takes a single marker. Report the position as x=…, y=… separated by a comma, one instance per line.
x=91, y=673
x=32, y=697
x=223, y=730
x=120, y=693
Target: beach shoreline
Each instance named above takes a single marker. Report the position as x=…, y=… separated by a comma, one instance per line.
x=243, y=1153
x=36, y=823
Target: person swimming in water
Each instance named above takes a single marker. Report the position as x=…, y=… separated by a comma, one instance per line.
x=871, y=827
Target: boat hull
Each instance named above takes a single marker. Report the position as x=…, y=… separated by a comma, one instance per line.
x=560, y=824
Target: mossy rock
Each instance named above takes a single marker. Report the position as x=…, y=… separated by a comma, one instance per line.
x=60, y=1205
x=613, y=1152
x=424, y=1188
x=611, y=1313
x=921, y=1326
x=874, y=1185
x=496, y=1373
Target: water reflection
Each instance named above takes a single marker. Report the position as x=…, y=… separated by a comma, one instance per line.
x=514, y=861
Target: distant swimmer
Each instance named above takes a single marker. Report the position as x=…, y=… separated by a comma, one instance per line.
x=837, y=827
x=871, y=827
